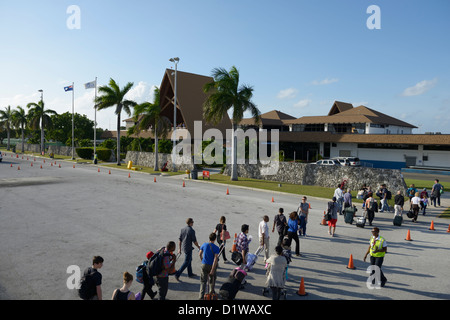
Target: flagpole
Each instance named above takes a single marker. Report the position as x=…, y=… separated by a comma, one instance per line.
x=73, y=145
x=95, y=119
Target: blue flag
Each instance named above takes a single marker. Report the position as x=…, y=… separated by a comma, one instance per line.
x=69, y=88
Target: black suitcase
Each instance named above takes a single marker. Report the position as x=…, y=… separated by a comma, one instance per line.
x=349, y=214
x=231, y=287
x=398, y=221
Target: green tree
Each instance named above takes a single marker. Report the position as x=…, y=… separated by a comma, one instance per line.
x=62, y=127
x=6, y=119
x=148, y=116
x=20, y=120
x=39, y=118
x=225, y=93
x=111, y=96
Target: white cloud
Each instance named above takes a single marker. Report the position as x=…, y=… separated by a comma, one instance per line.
x=419, y=88
x=141, y=92
x=324, y=81
x=303, y=103
x=287, y=93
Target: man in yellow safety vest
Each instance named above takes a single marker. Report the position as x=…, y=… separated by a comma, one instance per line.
x=377, y=250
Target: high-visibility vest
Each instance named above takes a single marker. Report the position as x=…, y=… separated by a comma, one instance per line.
x=378, y=244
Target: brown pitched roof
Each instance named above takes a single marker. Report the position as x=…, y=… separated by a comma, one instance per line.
x=273, y=117
x=359, y=114
x=190, y=99
x=339, y=106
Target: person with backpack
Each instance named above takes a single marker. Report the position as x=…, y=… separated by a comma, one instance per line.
x=436, y=192
x=221, y=229
x=164, y=261
x=91, y=282
x=209, y=255
x=124, y=293
x=187, y=237
x=147, y=280
x=384, y=195
x=333, y=208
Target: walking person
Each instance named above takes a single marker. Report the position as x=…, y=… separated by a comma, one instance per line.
x=370, y=205
x=124, y=293
x=263, y=234
x=424, y=201
x=399, y=202
x=303, y=211
x=242, y=243
x=148, y=281
x=162, y=279
x=280, y=222
x=339, y=195
x=333, y=208
x=209, y=255
x=276, y=272
x=292, y=231
x=348, y=199
x=221, y=229
x=91, y=282
x=415, y=203
x=186, y=239
x=377, y=250
x=436, y=192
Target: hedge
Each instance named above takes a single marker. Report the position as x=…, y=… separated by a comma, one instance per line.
x=88, y=153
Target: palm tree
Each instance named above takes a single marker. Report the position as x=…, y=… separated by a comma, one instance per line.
x=39, y=118
x=112, y=95
x=225, y=93
x=148, y=115
x=20, y=120
x=6, y=119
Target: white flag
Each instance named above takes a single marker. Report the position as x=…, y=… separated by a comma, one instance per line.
x=89, y=85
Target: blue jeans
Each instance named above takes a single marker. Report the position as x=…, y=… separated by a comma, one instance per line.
x=303, y=225
x=186, y=264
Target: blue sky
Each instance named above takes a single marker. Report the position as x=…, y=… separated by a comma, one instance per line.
x=299, y=56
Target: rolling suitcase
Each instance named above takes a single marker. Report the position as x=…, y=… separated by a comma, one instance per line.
x=361, y=222
x=398, y=221
x=349, y=214
x=231, y=287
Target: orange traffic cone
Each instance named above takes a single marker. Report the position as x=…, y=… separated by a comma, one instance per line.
x=184, y=184
x=109, y=172
x=60, y=165
x=324, y=222
x=350, y=263
x=129, y=175
x=41, y=166
x=233, y=248
x=272, y=200
x=448, y=230
x=18, y=168
x=408, y=236
x=11, y=165
x=98, y=170
x=301, y=290
x=32, y=164
x=74, y=166
x=432, y=225
x=228, y=192
x=154, y=179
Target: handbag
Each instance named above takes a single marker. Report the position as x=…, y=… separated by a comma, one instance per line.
x=224, y=235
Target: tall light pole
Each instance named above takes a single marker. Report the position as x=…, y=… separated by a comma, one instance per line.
x=175, y=61
x=73, y=126
x=42, y=120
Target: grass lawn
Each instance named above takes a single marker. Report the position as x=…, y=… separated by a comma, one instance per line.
x=143, y=169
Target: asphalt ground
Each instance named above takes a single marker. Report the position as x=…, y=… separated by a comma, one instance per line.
x=57, y=218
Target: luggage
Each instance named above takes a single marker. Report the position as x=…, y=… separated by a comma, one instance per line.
x=410, y=214
x=361, y=222
x=251, y=260
x=349, y=213
x=237, y=257
x=231, y=287
x=398, y=221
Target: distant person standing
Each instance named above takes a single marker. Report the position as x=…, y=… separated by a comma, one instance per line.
x=303, y=211
x=280, y=222
x=187, y=237
x=436, y=192
x=339, y=195
x=377, y=250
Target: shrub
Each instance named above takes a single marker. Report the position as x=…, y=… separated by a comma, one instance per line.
x=85, y=153
x=103, y=154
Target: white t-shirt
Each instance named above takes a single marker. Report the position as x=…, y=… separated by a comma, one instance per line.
x=263, y=228
x=415, y=200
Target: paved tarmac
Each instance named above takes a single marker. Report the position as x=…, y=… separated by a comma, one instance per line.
x=56, y=217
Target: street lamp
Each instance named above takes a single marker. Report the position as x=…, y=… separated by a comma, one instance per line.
x=42, y=120
x=175, y=61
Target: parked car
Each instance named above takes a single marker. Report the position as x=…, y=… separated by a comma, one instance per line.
x=349, y=161
x=1, y=156
x=328, y=162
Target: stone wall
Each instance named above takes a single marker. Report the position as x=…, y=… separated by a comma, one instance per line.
x=325, y=176
x=147, y=159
